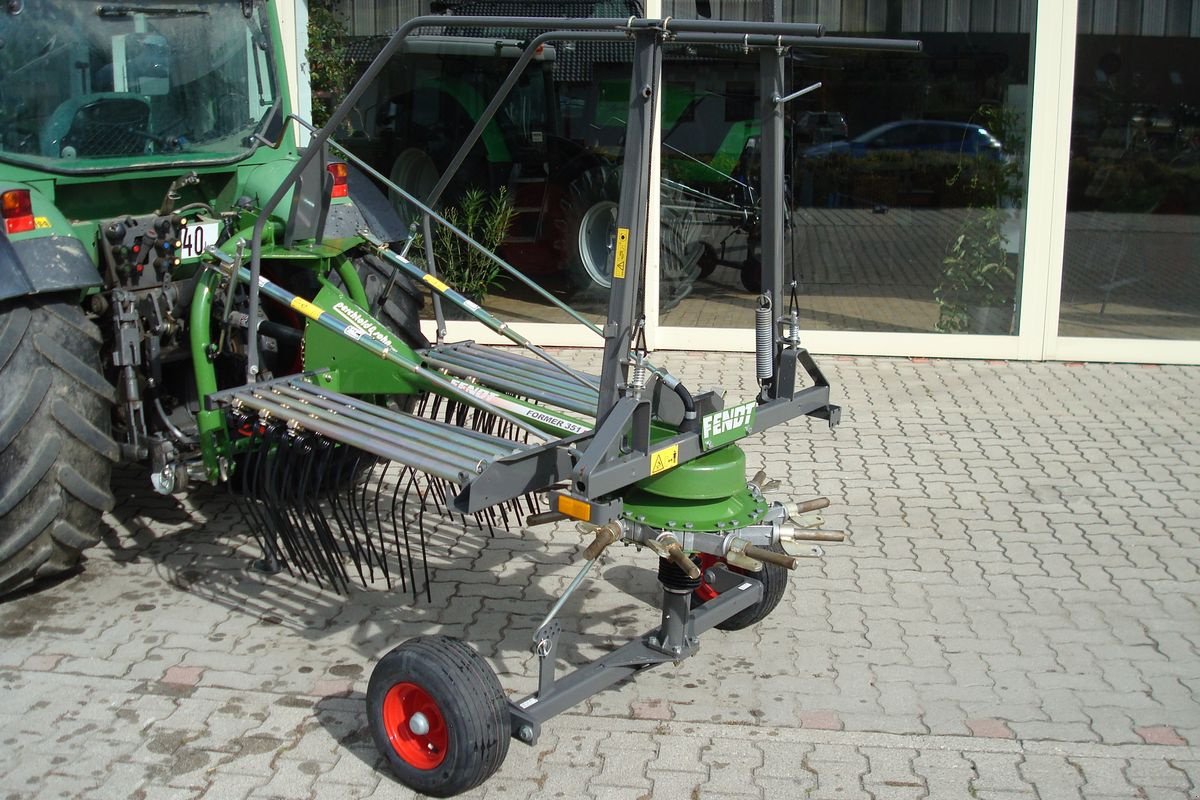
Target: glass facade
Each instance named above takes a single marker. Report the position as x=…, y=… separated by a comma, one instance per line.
x=1131, y=264
x=908, y=175
x=905, y=176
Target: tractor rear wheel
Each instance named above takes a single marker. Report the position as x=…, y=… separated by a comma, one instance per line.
x=400, y=309
x=56, y=452
x=438, y=715
x=773, y=577
x=415, y=172
x=589, y=234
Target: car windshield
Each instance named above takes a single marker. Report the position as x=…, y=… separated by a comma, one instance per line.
x=87, y=86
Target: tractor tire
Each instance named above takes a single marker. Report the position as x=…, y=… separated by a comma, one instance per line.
x=438, y=715
x=400, y=310
x=589, y=226
x=774, y=579
x=417, y=173
x=56, y=452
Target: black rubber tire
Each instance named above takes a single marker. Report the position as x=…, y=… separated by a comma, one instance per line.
x=774, y=579
x=401, y=309
x=417, y=173
x=468, y=696
x=56, y=451
x=588, y=230
x=587, y=225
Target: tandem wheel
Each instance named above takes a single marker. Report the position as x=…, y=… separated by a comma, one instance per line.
x=438, y=715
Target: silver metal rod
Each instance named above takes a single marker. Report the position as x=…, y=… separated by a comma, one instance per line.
x=587, y=566
x=806, y=90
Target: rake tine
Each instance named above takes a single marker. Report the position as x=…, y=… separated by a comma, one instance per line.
x=325, y=551
x=313, y=503
x=387, y=576
x=412, y=484
x=242, y=499
x=286, y=456
x=272, y=477
x=309, y=501
x=424, y=557
x=261, y=478
x=396, y=531
x=338, y=457
x=356, y=509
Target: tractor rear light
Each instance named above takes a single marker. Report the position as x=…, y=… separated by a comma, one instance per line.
x=340, y=173
x=17, y=209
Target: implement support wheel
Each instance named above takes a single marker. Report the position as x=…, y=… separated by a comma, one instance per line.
x=438, y=715
x=773, y=577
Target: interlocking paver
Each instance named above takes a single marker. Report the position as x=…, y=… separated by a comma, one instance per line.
x=1014, y=616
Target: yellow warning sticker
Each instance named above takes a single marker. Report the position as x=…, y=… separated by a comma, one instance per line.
x=41, y=223
x=435, y=283
x=622, y=252
x=661, y=460
x=306, y=308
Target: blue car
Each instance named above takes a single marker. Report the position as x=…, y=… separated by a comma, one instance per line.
x=916, y=136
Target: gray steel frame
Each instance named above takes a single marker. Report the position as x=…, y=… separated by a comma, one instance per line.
x=617, y=453
x=676, y=638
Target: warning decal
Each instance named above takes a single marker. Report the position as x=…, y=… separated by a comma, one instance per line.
x=661, y=460
x=622, y=253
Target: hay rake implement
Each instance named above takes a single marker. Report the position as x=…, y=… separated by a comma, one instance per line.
x=331, y=482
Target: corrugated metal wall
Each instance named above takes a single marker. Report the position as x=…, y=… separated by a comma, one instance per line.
x=1103, y=17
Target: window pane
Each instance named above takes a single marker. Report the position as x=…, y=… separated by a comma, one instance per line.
x=1132, y=255
x=905, y=172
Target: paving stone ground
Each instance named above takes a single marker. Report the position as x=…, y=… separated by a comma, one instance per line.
x=1014, y=616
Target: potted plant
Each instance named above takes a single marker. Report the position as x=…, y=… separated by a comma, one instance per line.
x=978, y=279
x=486, y=220
x=978, y=287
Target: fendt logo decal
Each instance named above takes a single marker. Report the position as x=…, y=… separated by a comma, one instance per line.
x=722, y=427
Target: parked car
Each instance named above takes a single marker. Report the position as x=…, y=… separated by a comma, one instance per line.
x=817, y=127
x=916, y=135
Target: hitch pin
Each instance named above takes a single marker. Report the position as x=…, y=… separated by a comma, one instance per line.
x=605, y=535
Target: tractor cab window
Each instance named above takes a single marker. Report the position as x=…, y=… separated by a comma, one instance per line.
x=87, y=85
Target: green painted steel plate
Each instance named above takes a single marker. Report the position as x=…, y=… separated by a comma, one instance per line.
x=712, y=476
x=730, y=512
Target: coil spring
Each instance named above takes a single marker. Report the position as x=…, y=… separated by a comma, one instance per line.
x=764, y=340
x=639, y=375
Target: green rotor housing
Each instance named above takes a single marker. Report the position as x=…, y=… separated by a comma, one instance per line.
x=709, y=493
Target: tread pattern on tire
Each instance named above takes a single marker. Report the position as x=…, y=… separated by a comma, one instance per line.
x=56, y=454
x=451, y=672
x=679, y=237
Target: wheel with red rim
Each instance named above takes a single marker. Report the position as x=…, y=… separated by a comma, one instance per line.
x=438, y=715
x=773, y=578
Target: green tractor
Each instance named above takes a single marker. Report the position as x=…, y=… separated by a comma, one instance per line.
x=132, y=138
x=164, y=235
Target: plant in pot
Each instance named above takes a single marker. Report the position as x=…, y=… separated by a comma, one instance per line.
x=978, y=281
x=486, y=220
x=978, y=287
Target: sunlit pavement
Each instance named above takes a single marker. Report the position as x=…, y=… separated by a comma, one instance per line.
x=1014, y=616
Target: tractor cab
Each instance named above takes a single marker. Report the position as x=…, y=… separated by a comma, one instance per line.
x=90, y=86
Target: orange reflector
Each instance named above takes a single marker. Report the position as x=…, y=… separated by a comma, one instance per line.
x=16, y=208
x=340, y=173
x=575, y=509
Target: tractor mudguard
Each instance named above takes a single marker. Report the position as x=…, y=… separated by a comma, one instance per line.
x=378, y=212
x=49, y=258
